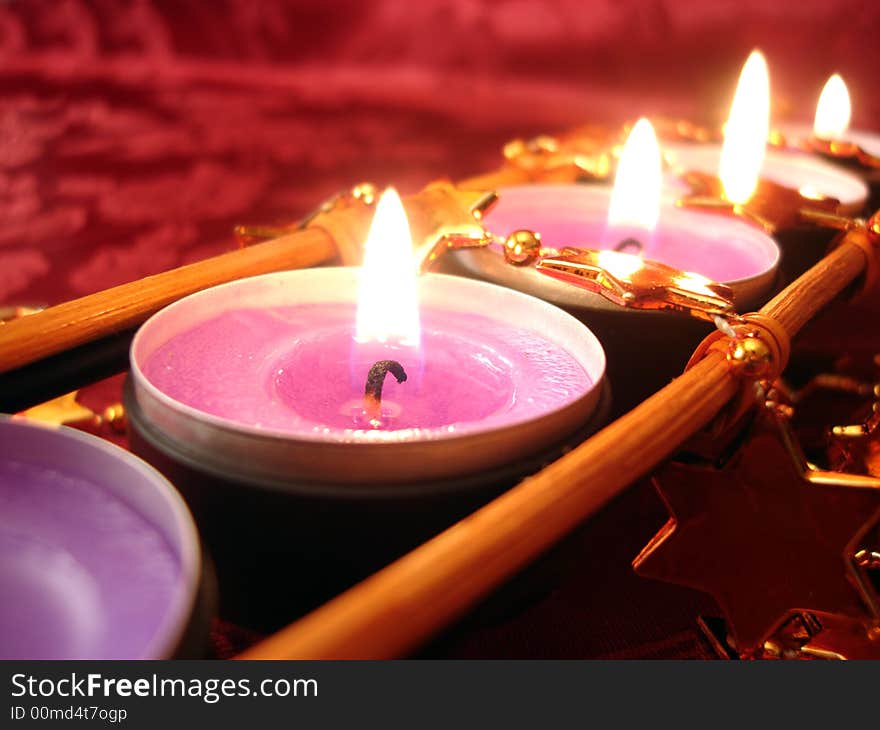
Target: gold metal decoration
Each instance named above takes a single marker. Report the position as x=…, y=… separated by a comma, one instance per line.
x=772, y=207
x=855, y=448
x=16, y=311
x=858, y=445
x=589, y=152
x=803, y=636
x=441, y=216
x=630, y=281
x=66, y=410
x=836, y=150
x=682, y=130
x=625, y=279
x=361, y=195
x=767, y=535
x=586, y=153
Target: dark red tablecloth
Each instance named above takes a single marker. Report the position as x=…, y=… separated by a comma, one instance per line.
x=134, y=135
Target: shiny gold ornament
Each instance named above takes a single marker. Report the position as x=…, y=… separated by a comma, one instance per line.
x=17, y=311
x=66, y=410
x=441, y=216
x=856, y=448
x=766, y=535
x=752, y=356
x=772, y=207
x=682, y=130
x=841, y=151
x=363, y=195
x=522, y=247
x=586, y=153
x=631, y=281
x=60, y=411
x=804, y=636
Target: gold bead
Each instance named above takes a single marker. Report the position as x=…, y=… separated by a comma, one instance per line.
x=751, y=356
x=522, y=247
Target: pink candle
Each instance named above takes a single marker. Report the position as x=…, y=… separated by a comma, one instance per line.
x=800, y=171
x=831, y=126
x=720, y=248
x=631, y=218
x=296, y=369
x=743, y=157
x=269, y=370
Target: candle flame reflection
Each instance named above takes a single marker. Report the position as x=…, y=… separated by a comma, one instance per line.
x=833, y=111
x=388, y=307
x=619, y=265
x=635, y=199
x=745, y=134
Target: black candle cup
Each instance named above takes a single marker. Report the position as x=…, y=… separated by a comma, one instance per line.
x=802, y=248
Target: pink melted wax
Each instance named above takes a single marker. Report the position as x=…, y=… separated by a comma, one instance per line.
x=298, y=370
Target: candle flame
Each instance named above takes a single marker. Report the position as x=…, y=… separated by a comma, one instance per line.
x=833, y=110
x=635, y=199
x=388, y=307
x=618, y=264
x=745, y=134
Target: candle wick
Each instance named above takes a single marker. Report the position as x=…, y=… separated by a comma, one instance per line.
x=373, y=387
x=629, y=245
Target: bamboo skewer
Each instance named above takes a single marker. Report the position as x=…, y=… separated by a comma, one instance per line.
x=398, y=608
x=123, y=307
x=106, y=313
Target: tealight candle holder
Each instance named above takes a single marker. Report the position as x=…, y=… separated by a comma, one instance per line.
x=831, y=138
x=780, y=191
x=99, y=557
x=741, y=256
x=813, y=178
x=257, y=398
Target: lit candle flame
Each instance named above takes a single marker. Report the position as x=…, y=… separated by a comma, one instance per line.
x=745, y=134
x=833, y=110
x=388, y=308
x=635, y=199
x=619, y=265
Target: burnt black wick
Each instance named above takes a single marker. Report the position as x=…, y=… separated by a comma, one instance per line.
x=375, y=381
x=629, y=245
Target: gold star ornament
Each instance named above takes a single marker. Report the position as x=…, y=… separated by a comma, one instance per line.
x=766, y=535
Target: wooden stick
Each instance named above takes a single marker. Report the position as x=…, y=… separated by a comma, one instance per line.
x=507, y=175
x=105, y=313
x=398, y=608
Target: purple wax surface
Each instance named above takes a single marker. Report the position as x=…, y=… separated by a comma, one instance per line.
x=298, y=370
x=83, y=573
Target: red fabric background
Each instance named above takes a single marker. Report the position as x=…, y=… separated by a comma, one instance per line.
x=134, y=135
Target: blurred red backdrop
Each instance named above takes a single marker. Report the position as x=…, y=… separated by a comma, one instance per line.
x=133, y=135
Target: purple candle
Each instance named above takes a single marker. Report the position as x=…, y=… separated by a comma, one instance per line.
x=99, y=558
x=274, y=370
